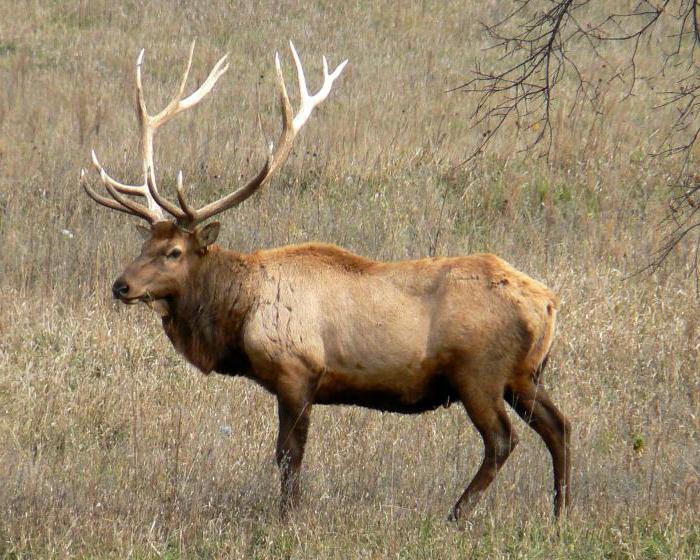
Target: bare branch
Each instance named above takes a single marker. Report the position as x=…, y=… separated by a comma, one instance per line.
x=541, y=42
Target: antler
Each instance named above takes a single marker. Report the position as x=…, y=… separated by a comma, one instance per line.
x=277, y=155
x=186, y=215
x=149, y=124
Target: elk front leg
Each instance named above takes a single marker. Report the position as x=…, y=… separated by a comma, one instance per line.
x=294, y=411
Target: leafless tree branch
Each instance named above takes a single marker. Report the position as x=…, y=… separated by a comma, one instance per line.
x=539, y=43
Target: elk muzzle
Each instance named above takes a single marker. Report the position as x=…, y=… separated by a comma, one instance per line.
x=120, y=288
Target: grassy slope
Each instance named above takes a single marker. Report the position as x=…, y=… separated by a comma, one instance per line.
x=111, y=446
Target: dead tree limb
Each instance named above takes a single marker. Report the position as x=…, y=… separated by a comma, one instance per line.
x=540, y=44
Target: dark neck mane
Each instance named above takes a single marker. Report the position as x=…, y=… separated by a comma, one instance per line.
x=205, y=322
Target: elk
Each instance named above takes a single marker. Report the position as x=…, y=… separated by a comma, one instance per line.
x=315, y=324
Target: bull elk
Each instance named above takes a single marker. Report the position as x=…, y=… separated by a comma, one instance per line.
x=315, y=324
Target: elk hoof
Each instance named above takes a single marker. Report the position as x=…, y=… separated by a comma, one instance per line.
x=458, y=519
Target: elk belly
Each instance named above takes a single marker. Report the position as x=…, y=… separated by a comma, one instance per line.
x=408, y=391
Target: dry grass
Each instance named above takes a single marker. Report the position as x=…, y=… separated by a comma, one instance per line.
x=111, y=446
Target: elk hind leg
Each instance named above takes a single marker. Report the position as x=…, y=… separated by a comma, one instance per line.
x=532, y=403
x=486, y=409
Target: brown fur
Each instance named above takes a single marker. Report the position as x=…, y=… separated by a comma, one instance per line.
x=315, y=324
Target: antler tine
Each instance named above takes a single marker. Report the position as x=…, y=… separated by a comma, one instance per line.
x=287, y=114
x=121, y=187
x=177, y=104
x=120, y=203
x=104, y=201
x=135, y=208
x=309, y=102
x=162, y=202
x=219, y=69
x=189, y=211
x=172, y=105
x=143, y=113
x=277, y=155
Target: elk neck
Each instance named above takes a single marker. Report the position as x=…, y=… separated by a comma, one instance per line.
x=205, y=321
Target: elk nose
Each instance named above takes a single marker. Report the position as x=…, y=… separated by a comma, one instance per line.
x=119, y=288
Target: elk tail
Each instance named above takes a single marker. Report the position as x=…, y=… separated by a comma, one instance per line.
x=539, y=353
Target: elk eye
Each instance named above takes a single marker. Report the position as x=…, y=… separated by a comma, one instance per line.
x=174, y=253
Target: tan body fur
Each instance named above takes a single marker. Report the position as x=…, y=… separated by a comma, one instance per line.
x=315, y=324
x=360, y=326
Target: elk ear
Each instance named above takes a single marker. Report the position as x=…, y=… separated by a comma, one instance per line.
x=206, y=235
x=144, y=232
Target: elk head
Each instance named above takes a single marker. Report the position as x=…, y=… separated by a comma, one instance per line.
x=167, y=257
x=174, y=246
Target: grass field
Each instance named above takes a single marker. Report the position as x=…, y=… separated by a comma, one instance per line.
x=111, y=446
